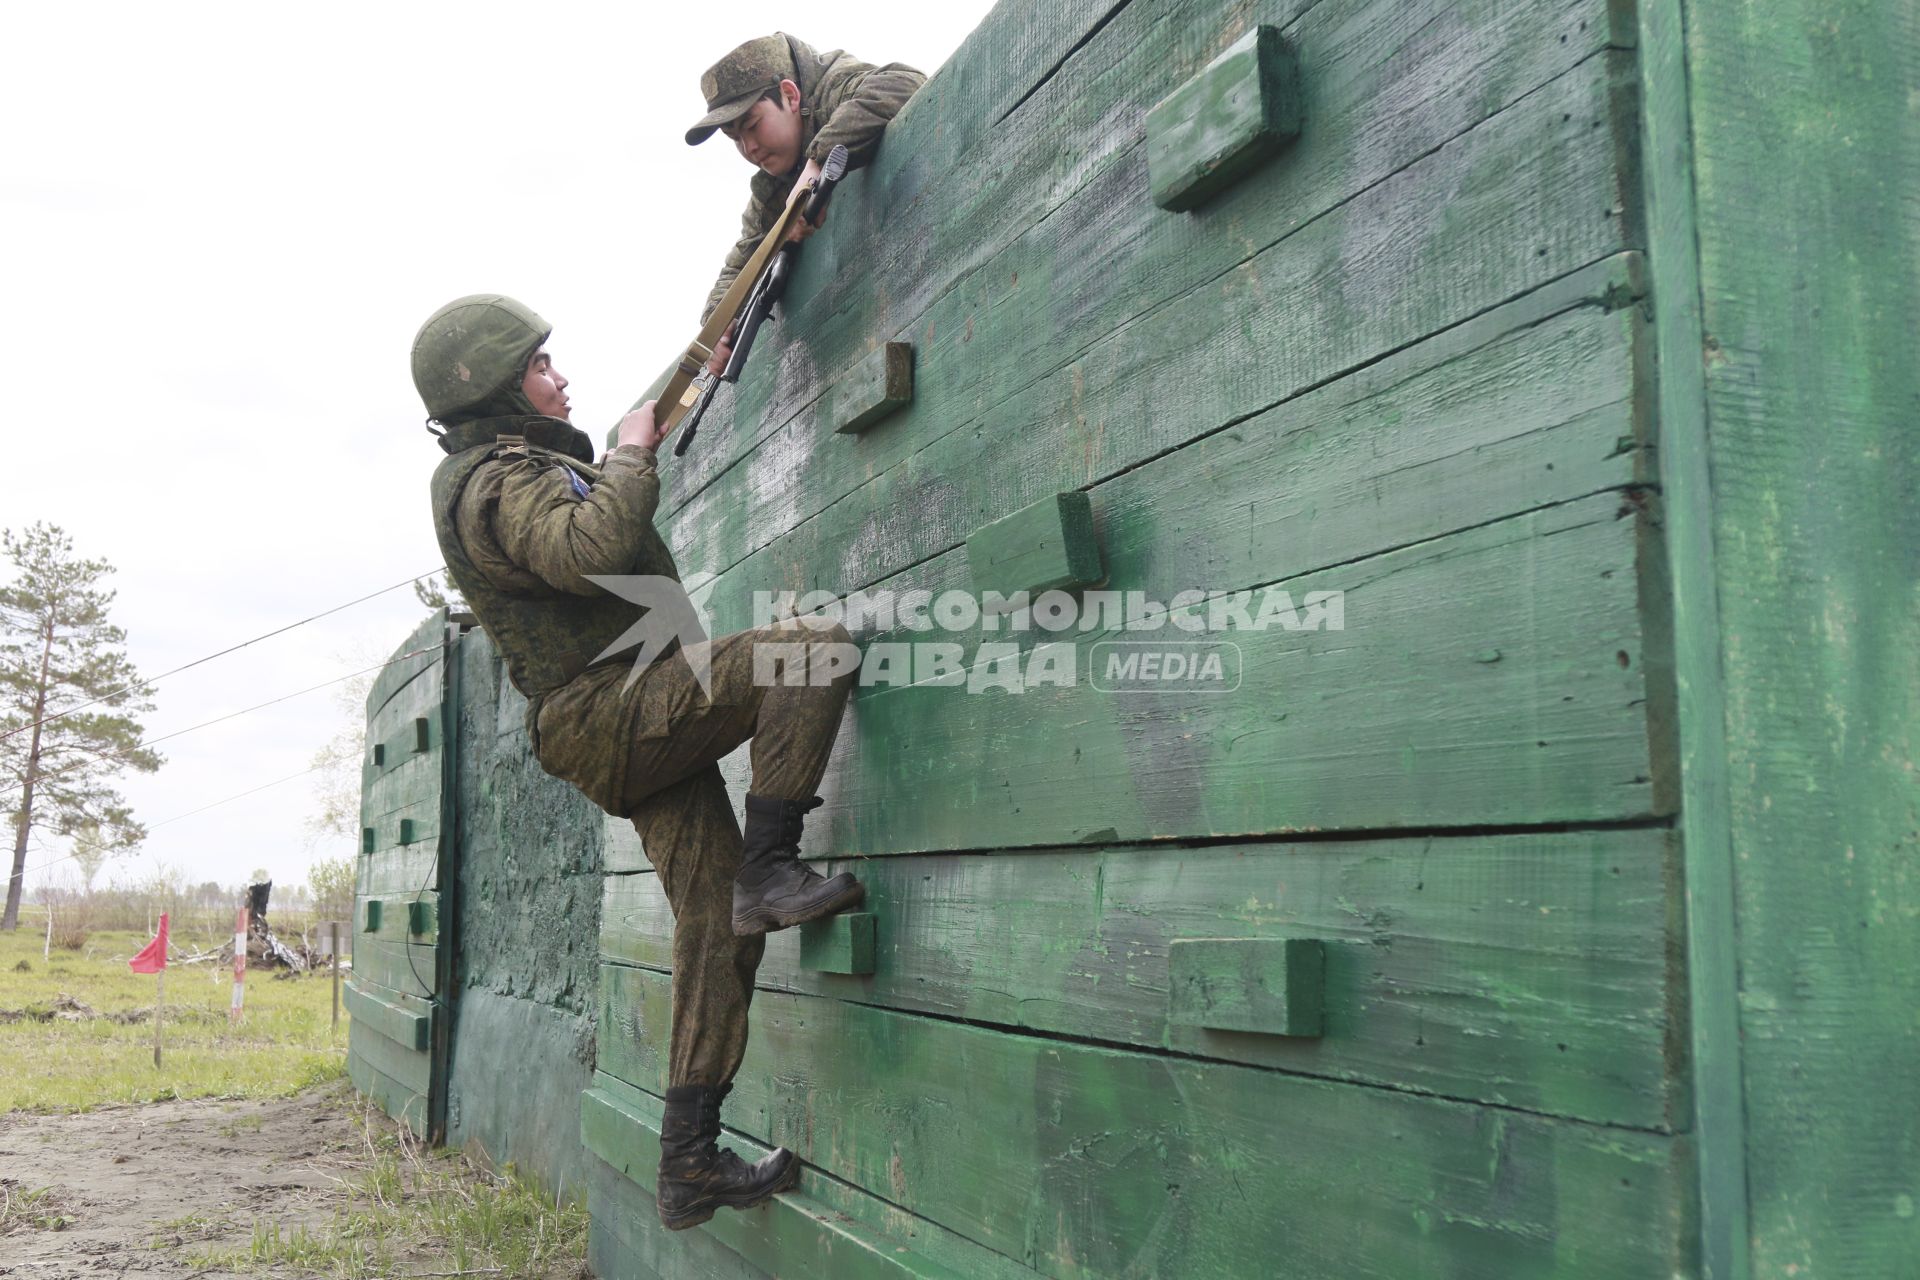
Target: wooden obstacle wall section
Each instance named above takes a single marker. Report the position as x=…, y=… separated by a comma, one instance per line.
x=1553, y=917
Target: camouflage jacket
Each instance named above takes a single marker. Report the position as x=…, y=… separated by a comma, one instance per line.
x=524, y=517
x=855, y=100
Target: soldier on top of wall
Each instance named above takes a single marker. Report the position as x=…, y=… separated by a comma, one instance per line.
x=784, y=107
x=526, y=520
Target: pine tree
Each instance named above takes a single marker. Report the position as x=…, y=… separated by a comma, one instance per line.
x=69, y=698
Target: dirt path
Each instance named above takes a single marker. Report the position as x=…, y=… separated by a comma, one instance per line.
x=144, y=1188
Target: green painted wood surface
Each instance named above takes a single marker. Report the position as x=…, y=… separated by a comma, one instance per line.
x=401, y=1063
x=398, y=916
x=1025, y=379
x=840, y=944
x=621, y=1246
x=793, y=1235
x=1048, y=545
x=1214, y=129
x=1144, y=53
x=1495, y=676
x=873, y=388
x=396, y=1099
x=397, y=967
x=1084, y=1161
x=623, y=1210
x=405, y=1020
x=406, y=774
x=1712, y=960
x=403, y=966
x=418, y=654
x=415, y=736
x=1527, y=404
x=1801, y=466
x=1263, y=986
x=405, y=869
x=1535, y=972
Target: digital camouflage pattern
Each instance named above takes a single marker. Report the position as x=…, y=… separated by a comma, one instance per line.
x=520, y=540
x=732, y=85
x=470, y=355
x=843, y=101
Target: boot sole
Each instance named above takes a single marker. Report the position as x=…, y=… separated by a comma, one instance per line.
x=769, y=920
x=701, y=1213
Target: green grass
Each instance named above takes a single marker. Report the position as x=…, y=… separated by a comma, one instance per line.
x=415, y=1211
x=282, y=1045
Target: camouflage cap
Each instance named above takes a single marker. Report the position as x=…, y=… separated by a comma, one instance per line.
x=470, y=355
x=733, y=84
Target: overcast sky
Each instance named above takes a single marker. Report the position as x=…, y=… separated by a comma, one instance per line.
x=223, y=224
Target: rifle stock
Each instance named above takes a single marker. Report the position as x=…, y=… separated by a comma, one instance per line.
x=744, y=307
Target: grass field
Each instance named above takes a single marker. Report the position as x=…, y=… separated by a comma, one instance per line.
x=282, y=1044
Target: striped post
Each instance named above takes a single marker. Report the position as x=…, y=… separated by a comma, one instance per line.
x=239, y=965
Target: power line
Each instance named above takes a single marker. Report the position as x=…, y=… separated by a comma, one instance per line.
x=25, y=871
x=148, y=684
x=231, y=715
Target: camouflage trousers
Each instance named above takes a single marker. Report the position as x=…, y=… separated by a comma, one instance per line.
x=665, y=777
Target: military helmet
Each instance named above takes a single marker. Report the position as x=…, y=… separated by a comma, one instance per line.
x=470, y=355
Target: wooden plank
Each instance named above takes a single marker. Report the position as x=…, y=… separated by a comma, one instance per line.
x=873, y=388
x=400, y=1063
x=1039, y=548
x=985, y=340
x=1496, y=676
x=1109, y=409
x=387, y=790
x=400, y=672
x=1217, y=127
x=409, y=830
x=1712, y=958
x=839, y=944
x=402, y=772
x=1528, y=404
x=822, y=1225
x=397, y=917
x=1440, y=69
x=396, y=1099
x=622, y=1245
x=415, y=736
x=1791, y=292
x=406, y=967
x=1458, y=966
x=1084, y=1161
x=405, y=869
x=405, y=1020
x=1266, y=986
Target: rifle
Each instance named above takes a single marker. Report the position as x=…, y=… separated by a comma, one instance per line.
x=745, y=307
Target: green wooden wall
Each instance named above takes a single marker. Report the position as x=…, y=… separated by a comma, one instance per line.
x=396, y=996
x=1408, y=356
x=1572, y=340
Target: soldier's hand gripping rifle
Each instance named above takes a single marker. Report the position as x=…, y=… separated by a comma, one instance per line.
x=745, y=307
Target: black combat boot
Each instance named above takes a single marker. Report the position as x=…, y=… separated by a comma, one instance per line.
x=696, y=1176
x=774, y=889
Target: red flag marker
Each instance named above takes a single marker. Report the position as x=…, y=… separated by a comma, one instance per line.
x=153, y=956
x=153, y=959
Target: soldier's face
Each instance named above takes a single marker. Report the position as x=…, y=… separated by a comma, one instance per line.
x=545, y=388
x=769, y=135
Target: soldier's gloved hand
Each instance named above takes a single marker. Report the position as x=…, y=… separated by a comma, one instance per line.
x=639, y=428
